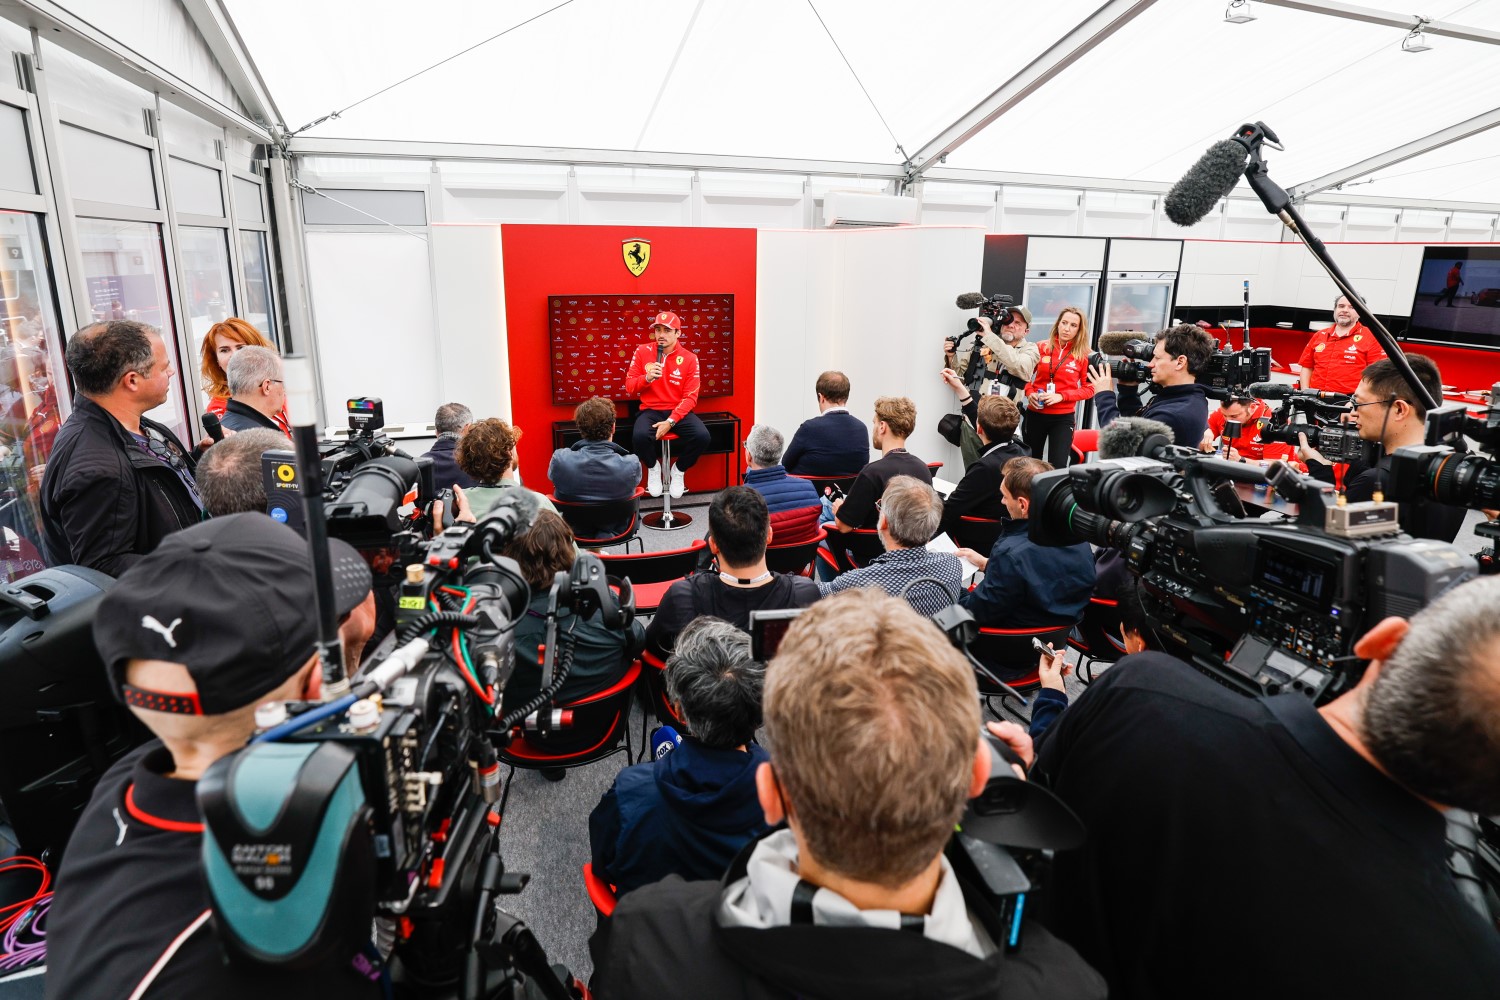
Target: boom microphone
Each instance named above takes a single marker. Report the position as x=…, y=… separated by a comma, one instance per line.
x=1284, y=390
x=1114, y=343
x=1132, y=437
x=972, y=300
x=1208, y=181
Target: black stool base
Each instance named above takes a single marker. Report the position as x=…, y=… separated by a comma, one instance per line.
x=666, y=521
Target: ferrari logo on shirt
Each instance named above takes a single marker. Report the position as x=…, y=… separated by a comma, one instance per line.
x=679, y=359
x=637, y=254
x=1356, y=338
x=1320, y=347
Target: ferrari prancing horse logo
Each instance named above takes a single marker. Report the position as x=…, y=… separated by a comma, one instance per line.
x=637, y=255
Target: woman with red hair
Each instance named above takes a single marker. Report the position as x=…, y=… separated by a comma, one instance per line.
x=219, y=345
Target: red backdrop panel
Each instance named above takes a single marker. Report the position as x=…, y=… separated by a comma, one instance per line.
x=541, y=260
x=1465, y=368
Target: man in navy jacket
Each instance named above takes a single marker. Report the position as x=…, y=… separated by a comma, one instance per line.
x=691, y=811
x=834, y=443
x=450, y=421
x=793, y=502
x=1178, y=400
x=595, y=468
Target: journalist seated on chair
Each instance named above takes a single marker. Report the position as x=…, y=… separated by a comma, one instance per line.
x=487, y=452
x=601, y=655
x=690, y=812
x=594, y=468
x=909, y=514
x=793, y=502
x=1027, y=585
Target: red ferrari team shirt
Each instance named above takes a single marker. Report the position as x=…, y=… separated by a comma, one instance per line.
x=1336, y=360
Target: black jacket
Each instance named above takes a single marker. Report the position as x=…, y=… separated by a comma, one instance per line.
x=240, y=417
x=1184, y=408
x=445, y=471
x=105, y=502
x=665, y=940
x=978, y=492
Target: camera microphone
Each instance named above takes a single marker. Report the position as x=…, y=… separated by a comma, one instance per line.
x=1207, y=182
x=972, y=300
x=1132, y=437
x=1114, y=343
x=212, y=427
x=1285, y=390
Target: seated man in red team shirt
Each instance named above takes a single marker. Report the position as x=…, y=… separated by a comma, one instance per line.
x=665, y=377
x=1335, y=356
x=1251, y=414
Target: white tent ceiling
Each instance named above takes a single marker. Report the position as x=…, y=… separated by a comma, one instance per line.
x=766, y=79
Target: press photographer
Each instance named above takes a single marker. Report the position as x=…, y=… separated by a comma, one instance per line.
x=1181, y=354
x=999, y=330
x=1387, y=413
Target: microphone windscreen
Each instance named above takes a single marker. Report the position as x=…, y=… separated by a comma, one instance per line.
x=1270, y=390
x=1114, y=343
x=664, y=741
x=971, y=300
x=517, y=505
x=1210, y=179
x=1125, y=437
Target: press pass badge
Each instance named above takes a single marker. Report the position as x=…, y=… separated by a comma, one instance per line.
x=1051, y=388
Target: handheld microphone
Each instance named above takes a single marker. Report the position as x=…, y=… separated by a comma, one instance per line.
x=663, y=741
x=212, y=427
x=1114, y=343
x=971, y=300
x=1282, y=390
x=1207, y=182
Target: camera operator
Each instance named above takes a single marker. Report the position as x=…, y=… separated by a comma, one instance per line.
x=1251, y=414
x=872, y=719
x=1222, y=825
x=1178, y=400
x=1386, y=411
x=131, y=911
x=988, y=440
x=1012, y=358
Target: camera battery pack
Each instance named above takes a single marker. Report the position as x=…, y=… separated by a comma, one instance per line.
x=1360, y=520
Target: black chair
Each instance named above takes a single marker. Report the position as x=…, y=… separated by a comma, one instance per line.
x=795, y=557
x=1007, y=652
x=851, y=550
x=1097, y=636
x=651, y=573
x=589, y=520
x=821, y=483
x=978, y=533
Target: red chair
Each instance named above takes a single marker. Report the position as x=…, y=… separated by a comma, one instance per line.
x=1085, y=443
x=933, y=467
x=1008, y=654
x=1097, y=636
x=851, y=550
x=654, y=698
x=601, y=893
x=795, y=557
x=651, y=573
x=978, y=533
x=590, y=519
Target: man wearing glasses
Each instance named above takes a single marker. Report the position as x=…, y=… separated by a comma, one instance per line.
x=118, y=482
x=1386, y=411
x=256, y=391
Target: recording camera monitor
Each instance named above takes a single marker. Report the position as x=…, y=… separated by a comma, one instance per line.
x=767, y=629
x=1457, y=300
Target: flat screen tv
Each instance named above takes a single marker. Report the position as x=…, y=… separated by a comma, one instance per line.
x=1458, y=297
x=592, y=338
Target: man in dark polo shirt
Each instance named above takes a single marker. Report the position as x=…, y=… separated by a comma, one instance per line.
x=895, y=419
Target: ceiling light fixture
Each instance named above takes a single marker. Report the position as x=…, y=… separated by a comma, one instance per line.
x=1238, y=12
x=1416, y=39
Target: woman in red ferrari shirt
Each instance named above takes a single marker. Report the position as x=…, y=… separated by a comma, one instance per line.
x=1060, y=382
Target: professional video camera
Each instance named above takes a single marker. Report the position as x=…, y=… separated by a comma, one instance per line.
x=1318, y=415
x=1226, y=372
x=1261, y=607
x=971, y=368
x=380, y=803
x=1439, y=469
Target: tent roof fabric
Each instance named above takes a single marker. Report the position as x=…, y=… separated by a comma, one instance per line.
x=770, y=79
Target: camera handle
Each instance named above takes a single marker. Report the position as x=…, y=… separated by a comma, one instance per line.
x=499, y=940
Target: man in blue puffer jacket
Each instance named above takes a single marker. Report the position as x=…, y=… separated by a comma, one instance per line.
x=691, y=811
x=793, y=502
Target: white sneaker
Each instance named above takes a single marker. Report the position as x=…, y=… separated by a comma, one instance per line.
x=679, y=483
x=653, y=480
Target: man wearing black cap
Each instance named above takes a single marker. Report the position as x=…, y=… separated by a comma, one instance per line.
x=665, y=377
x=211, y=624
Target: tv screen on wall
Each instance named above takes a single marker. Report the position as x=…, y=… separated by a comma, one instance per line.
x=1458, y=297
x=592, y=338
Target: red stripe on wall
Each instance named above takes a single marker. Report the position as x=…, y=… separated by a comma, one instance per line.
x=546, y=260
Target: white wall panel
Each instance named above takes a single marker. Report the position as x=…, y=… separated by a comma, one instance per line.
x=751, y=211
x=494, y=205
x=616, y=208
x=1144, y=255
x=1045, y=254
x=469, y=299
x=372, y=306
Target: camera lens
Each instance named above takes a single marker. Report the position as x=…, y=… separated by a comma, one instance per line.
x=1466, y=481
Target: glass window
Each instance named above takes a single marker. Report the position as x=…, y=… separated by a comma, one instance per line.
x=195, y=188
x=205, y=278
x=247, y=202
x=107, y=170
x=258, y=302
x=15, y=152
x=124, y=267
x=29, y=417
x=397, y=208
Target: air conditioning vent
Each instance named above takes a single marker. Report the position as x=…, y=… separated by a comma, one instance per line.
x=860, y=209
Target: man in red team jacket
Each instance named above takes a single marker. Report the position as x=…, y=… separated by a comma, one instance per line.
x=665, y=377
x=1336, y=355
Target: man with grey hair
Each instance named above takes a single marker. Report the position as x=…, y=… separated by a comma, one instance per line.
x=256, y=390
x=793, y=502
x=910, y=511
x=1213, y=816
x=690, y=811
x=230, y=475
x=450, y=421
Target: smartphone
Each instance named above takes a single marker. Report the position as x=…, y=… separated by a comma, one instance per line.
x=833, y=492
x=1042, y=647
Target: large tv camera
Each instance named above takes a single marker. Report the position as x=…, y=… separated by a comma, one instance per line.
x=967, y=346
x=382, y=804
x=1227, y=371
x=1441, y=470
x=1317, y=414
x=1262, y=607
